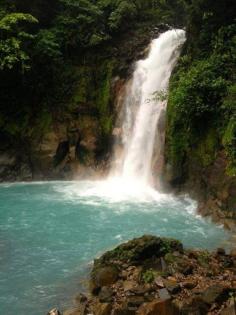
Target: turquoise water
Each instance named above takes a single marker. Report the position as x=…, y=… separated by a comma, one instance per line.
x=50, y=232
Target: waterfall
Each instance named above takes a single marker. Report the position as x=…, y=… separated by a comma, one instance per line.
x=144, y=107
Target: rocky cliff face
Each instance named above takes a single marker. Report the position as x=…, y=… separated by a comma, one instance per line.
x=214, y=189
x=76, y=141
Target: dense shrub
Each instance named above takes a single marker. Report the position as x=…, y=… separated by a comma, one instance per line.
x=202, y=99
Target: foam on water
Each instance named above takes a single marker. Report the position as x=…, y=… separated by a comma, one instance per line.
x=113, y=190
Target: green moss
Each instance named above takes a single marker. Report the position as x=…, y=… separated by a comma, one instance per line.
x=148, y=276
x=229, y=130
x=206, y=149
x=103, y=101
x=170, y=258
x=43, y=122
x=82, y=91
x=229, y=142
x=203, y=258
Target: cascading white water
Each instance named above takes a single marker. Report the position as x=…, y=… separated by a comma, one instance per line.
x=144, y=112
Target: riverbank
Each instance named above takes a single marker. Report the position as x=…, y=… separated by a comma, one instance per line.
x=152, y=275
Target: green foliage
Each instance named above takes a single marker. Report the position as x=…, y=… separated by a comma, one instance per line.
x=10, y=22
x=124, y=12
x=148, y=276
x=229, y=136
x=14, y=40
x=201, y=105
x=47, y=45
x=194, y=100
x=160, y=96
x=104, y=97
x=67, y=46
x=80, y=24
x=206, y=148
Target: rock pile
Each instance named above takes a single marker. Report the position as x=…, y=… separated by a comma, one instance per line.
x=156, y=276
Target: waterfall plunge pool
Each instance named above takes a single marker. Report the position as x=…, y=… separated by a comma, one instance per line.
x=51, y=231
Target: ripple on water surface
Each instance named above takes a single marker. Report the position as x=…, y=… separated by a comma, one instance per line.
x=51, y=231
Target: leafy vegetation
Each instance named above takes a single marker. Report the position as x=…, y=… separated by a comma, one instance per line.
x=148, y=276
x=14, y=40
x=57, y=58
x=201, y=111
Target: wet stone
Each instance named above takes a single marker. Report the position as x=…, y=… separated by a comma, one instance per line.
x=103, y=277
x=214, y=293
x=104, y=309
x=135, y=301
x=106, y=295
x=159, y=282
x=164, y=294
x=163, y=264
x=157, y=307
x=74, y=311
x=220, y=251
x=129, y=285
x=81, y=298
x=123, y=311
x=172, y=286
x=189, y=284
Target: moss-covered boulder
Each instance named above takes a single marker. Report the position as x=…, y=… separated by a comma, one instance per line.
x=139, y=249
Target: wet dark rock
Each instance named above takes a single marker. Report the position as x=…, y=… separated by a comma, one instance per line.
x=228, y=261
x=160, y=307
x=162, y=121
x=123, y=311
x=106, y=295
x=172, y=286
x=141, y=290
x=220, y=251
x=74, y=311
x=61, y=153
x=103, y=309
x=187, y=270
x=194, y=283
x=190, y=284
x=103, y=276
x=140, y=249
x=196, y=308
x=215, y=293
x=81, y=298
x=135, y=301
